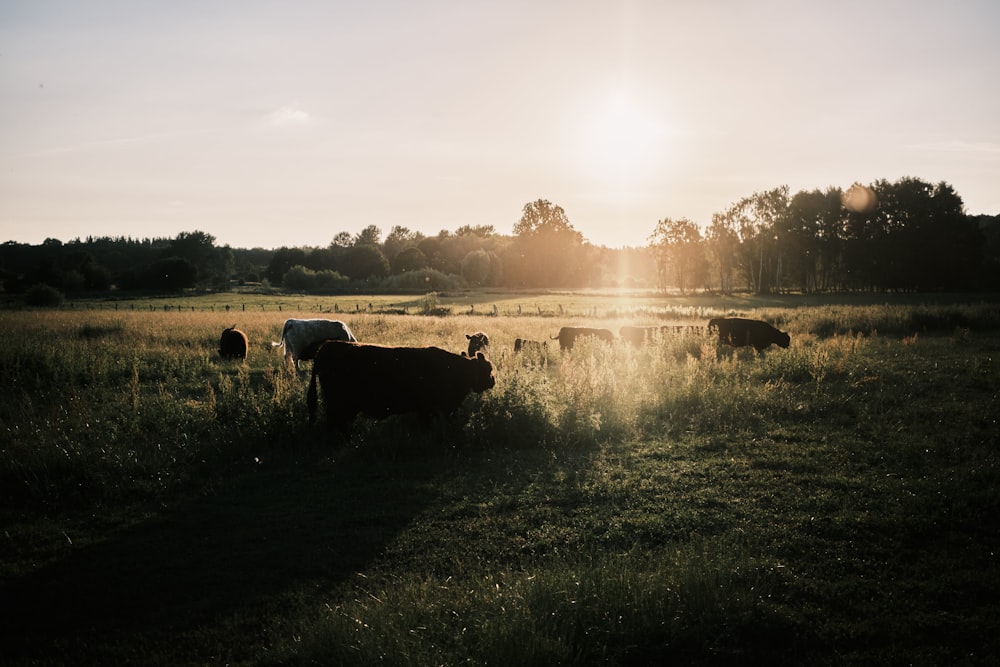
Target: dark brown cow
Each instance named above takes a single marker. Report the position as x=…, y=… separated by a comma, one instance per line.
x=738, y=332
x=233, y=344
x=380, y=381
x=568, y=335
x=478, y=342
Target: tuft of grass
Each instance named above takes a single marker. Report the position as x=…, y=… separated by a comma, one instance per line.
x=681, y=603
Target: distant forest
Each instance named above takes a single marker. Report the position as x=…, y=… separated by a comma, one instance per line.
x=907, y=235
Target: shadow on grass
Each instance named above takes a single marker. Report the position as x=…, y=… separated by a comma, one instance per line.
x=230, y=558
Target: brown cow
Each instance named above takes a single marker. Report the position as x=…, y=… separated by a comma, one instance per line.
x=380, y=381
x=568, y=335
x=233, y=344
x=478, y=342
x=738, y=332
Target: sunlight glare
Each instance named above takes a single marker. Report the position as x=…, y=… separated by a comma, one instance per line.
x=624, y=142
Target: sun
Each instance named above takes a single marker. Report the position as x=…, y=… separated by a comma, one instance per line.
x=623, y=142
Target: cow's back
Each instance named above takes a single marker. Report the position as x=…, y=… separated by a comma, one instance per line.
x=381, y=381
x=740, y=332
x=302, y=337
x=233, y=344
x=568, y=335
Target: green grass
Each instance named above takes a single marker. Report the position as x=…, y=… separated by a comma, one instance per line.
x=832, y=503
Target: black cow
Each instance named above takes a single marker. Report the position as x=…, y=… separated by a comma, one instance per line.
x=478, y=342
x=738, y=332
x=380, y=381
x=568, y=335
x=233, y=344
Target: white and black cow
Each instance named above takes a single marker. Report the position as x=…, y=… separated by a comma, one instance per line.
x=302, y=337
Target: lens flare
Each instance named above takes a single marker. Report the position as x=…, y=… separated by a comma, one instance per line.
x=859, y=199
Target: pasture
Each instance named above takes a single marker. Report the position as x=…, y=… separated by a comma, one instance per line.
x=835, y=502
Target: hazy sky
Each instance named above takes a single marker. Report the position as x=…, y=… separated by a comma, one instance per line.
x=282, y=123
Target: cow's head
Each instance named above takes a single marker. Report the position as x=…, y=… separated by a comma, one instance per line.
x=480, y=373
x=477, y=341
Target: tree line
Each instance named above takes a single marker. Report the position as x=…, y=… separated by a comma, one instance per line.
x=906, y=235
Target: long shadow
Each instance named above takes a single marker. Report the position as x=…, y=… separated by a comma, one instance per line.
x=230, y=554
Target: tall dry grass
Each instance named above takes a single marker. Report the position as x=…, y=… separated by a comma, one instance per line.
x=99, y=404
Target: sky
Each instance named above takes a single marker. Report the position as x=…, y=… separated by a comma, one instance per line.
x=270, y=124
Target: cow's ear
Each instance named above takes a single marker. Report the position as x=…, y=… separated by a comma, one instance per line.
x=468, y=336
x=464, y=354
x=480, y=355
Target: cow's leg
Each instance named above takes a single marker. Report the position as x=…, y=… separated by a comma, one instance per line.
x=340, y=420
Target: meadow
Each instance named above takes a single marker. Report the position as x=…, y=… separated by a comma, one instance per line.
x=835, y=502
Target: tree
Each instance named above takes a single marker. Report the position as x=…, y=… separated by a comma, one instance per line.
x=800, y=239
x=680, y=254
x=299, y=279
x=481, y=267
x=213, y=265
x=931, y=243
x=43, y=295
x=723, y=246
x=170, y=273
x=341, y=240
x=482, y=231
x=830, y=236
x=364, y=261
x=370, y=235
x=547, y=251
x=399, y=239
x=321, y=259
x=302, y=279
x=755, y=219
x=282, y=261
x=408, y=259
x=430, y=246
x=989, y=228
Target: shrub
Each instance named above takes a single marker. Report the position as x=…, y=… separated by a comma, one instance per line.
x=302, y=279
x=424, y=279
x=44, y=296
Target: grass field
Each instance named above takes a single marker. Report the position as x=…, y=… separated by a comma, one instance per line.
x=835, y=502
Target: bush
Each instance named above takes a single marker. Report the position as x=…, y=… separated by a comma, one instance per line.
x=301, y=279
x=431, y=279
x=44, y=296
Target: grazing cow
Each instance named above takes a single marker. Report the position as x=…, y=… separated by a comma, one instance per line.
x=738, y=332
x=301, y=337
x=477, y=342
x=568, y=335
x=380, y=381
x=233, y=344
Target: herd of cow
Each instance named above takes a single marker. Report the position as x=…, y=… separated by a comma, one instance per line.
x=379, y=381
